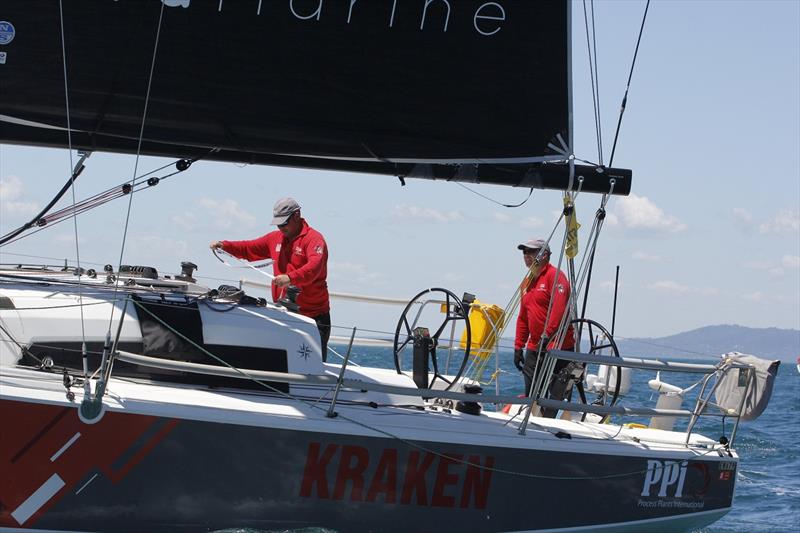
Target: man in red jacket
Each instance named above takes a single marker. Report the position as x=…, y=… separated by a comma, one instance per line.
x=299, y=257
x=548, y=288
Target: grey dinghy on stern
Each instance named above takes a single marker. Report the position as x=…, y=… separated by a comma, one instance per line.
x=199, y=414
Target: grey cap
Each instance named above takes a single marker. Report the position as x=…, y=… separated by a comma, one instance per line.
x=283, y=210
x=535, y=244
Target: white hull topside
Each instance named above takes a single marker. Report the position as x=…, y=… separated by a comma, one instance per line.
x=51, y=314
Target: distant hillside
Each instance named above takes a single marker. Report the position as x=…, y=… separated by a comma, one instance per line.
x=711, y=341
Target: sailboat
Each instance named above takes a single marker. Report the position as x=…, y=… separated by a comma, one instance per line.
x=134, y=401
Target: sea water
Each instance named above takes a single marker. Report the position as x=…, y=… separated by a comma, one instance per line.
x=767, y=494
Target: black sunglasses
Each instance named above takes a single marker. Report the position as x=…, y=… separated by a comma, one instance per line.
x=287, y=220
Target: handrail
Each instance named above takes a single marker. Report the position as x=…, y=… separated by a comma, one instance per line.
x=700, y=408
x=372, y=299
x=616, y=409
x=356, y=384
x=701, y=404
x=642, y=364
x=361, y=341
x=310, y=379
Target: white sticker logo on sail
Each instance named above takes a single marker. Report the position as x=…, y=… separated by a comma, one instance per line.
x=177, y=3
x=7, y=32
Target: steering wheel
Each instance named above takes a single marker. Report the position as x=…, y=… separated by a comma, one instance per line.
x=454, y=311
x=595, y=348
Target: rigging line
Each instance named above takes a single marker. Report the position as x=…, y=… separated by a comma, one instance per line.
x=244, y=264
x=138, y=154
x=60, y=216
x=676, y=348
x=138, y=183
x=592, y=163
x=591, y=242
x=14, y=235
x=41, y=257
x=595, y=103
x=72, y=186
x=628, y=86
x=530, y=193
x=75, y=173
x=95, y=263
x=588, y=284
x=584, y=268
x=597, y=77
x=65, y=306
x=560, y=332
x=96, y=201
x=597, y=227
x=516, y=297
x=22, y=348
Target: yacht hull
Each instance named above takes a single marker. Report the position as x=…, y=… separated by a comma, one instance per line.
x=137, y=472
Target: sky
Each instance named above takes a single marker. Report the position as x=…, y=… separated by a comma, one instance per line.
x=709, y=235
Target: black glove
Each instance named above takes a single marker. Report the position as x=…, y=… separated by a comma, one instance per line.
x=519, y=359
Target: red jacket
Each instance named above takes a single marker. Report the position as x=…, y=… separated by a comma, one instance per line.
x=533, y=310
x=304, y=260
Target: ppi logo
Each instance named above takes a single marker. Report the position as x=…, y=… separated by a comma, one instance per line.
x=7, y=32
x=666, y=477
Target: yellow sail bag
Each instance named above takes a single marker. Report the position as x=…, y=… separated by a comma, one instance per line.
x=485, y=321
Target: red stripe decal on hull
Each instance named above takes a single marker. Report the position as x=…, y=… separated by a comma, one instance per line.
x=41, y=459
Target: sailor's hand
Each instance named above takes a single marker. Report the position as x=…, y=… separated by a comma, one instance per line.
x=519, y=359
x=216, y=245
x=281, y=280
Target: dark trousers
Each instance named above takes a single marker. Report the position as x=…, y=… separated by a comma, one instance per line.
x=324, y=325
x=560, y=382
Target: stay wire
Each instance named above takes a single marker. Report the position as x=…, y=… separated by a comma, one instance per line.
x=72, y=169
x=22, y=348
x=61, y=216
x=136, y=162
x=137, y=184
x=14, y=236
x=628, y=85
x=597, y=88
x=563, y=326
x=7, y=238
x=591, y=45
x=476, y=368
x=585, y=270
x=97, y=200
x=473, y=191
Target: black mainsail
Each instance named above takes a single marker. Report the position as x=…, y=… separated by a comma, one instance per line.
x=470, y=90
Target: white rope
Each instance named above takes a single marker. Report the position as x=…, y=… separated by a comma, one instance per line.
x=244, y=264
